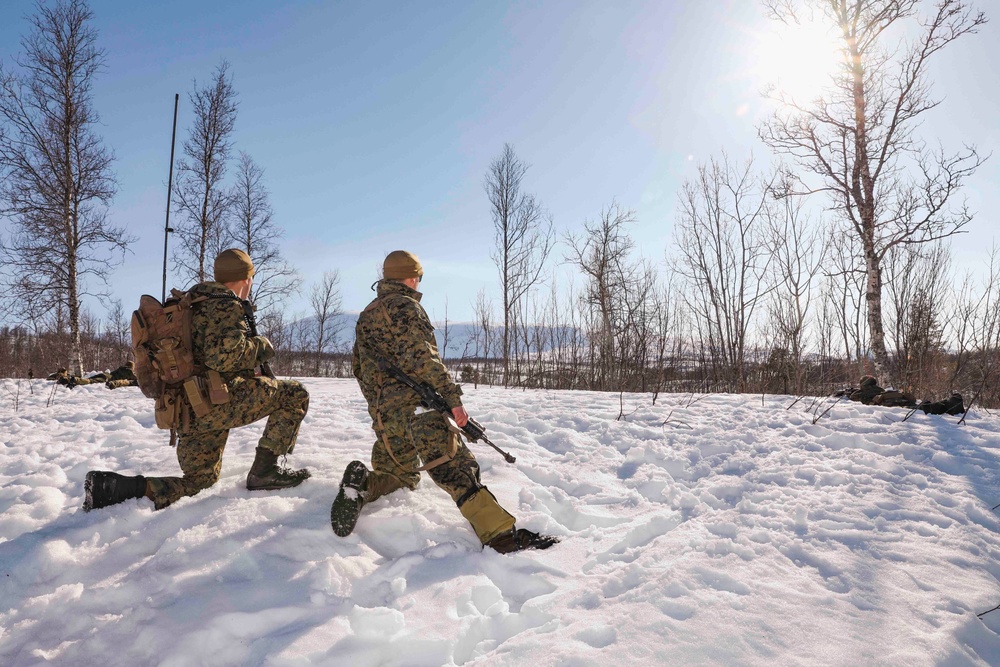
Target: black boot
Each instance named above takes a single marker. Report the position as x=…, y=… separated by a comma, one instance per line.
x=519, y=539
x=350, y=499
x=102, y=488
x=266, y=475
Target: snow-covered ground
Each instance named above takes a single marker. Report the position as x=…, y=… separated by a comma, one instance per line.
x=739, y=533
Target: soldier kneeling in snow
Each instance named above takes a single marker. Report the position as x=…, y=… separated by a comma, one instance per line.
x=221, y=342
x=396, y=328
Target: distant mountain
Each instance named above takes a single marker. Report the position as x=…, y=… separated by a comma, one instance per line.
x=461, y=335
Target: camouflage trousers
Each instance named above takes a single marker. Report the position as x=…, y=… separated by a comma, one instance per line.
x=199, y=450
x=100, y=378
x=415, y=439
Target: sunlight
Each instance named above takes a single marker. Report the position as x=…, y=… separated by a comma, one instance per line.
x=797, y=60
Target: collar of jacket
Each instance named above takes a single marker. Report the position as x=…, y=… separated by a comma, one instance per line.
x=386, y=287
x=211, y=287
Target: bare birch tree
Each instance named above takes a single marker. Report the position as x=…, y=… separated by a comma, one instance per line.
x=445, y=333
x=976, y=335
x=327, y=302
x=56, y=173
x=859, y=142
x=798, y=252
x=844, y=298
x=252, y=229
x=201, y=198
x=726, y=259
x=917, y=282
x=619, y=292
x=120, y=329
x=485, y=342
x=523, y=239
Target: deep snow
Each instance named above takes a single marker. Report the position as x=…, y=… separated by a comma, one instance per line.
x=739, y=533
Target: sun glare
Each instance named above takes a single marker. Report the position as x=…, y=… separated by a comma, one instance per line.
x=797, y=60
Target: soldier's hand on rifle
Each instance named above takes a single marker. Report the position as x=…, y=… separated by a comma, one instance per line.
x=460, y=415
x=266, y=351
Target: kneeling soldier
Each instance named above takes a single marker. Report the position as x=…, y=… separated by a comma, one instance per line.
x=221, y=341
x=396, y=327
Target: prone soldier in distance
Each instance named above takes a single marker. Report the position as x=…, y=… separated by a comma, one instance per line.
x=122, y=376
x=868, y=390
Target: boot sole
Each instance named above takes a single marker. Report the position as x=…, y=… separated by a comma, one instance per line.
x=345, y=511
x=88, y=492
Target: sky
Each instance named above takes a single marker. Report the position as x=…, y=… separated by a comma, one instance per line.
x=375, y=122
x=725, y=531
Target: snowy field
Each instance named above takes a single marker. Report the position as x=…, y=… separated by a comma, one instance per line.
x=739, y=533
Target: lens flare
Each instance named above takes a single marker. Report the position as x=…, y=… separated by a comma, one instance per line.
x=797, y=60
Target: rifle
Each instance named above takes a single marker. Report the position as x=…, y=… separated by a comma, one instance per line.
x=265, y=368
x=432, y=400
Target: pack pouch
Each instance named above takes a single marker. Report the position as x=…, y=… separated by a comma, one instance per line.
x=197, y=396
x=218, y=390
x=168, y=411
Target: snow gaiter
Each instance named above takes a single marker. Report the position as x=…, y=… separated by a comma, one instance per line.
x=488, y=519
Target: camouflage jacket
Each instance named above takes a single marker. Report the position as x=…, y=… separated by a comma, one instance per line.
x=395, y=325
x=220, y=335
x=120, y=373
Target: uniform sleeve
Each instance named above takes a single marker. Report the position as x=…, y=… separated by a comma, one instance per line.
x=417, y=353
x=356, y=361
x=228, y=347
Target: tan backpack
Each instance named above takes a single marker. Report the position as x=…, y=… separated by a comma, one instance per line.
x=165, y=366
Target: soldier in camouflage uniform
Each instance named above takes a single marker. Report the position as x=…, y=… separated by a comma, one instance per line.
x=123, y=376
x=396, y=327
x=221, y=341
x=868, y=391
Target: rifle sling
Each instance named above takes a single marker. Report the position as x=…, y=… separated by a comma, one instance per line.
x=453, y=439
x=377, y=356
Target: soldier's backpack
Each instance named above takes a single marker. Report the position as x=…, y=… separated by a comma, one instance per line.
x=165, y=367
x=895, y=399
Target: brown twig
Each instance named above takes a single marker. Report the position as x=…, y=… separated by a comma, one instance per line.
x=695, y=400
x=988, y=611
x=668, y=420
x=823, y=414
x=972, y=402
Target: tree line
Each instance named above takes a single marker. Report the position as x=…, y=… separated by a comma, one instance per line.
x=794, y=276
